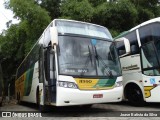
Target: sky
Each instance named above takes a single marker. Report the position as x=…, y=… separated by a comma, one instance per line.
x=5, y=16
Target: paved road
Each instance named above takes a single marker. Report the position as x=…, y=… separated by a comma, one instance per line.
x=97, y=111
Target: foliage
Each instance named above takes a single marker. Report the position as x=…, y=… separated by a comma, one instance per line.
x=77, y=10
x=33, y=17
x=51, y=6
x=16, y=42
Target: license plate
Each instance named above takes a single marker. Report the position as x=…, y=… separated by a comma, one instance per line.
x=98, y=96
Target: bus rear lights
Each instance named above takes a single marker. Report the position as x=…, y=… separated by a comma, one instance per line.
x=118, y=84
x=66, y=84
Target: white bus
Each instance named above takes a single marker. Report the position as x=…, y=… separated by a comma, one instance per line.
x=141, y=67
x=72, y=63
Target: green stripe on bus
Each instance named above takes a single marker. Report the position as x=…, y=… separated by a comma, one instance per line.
x=28, y=81
x=105, y=83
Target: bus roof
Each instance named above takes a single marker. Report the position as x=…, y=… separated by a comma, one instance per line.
x=53, y=22
x=146, y=22
x=138, y=26
x=66, y=23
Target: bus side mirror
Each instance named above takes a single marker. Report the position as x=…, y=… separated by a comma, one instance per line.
x=126, y=44
x=54, y=35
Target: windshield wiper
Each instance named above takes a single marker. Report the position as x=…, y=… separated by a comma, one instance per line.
x=96, y=55
x=90, y=55
x=109, y=72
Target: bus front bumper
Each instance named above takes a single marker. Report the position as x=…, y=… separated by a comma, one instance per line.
x=68, y=96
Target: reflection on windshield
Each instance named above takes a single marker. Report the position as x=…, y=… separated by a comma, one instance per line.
x=82, y=28
x=78, y=57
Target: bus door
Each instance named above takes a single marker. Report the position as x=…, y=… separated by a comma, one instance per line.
x=49, y=64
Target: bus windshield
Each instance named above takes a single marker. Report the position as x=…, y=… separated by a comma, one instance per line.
x=81, y=56
x=150, y=40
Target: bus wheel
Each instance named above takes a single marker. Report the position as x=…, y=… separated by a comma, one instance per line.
x=134, y=95
x=42, y=108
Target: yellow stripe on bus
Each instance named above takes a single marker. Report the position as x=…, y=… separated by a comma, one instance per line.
x=86, y=84
x=19, y=85
x=147, y=91
x=91, y=84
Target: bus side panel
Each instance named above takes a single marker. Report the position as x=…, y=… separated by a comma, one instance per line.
x=150, y=89
x=131, y=70
x=30, y=85
x=130, y=64
x=153, y=97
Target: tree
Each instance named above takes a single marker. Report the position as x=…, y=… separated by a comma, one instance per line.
x=51, y=6
x=77, y=10
x=34, y=20
x=96, y=3
x=147, y=9
x=117, y=16
x=18, y=39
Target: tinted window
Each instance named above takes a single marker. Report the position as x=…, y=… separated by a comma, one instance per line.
x=121, y=48
x=145, y=33
x=29, y=61
x=150, y=63
x=150, y=40
x=149, y=33
x=133, y=42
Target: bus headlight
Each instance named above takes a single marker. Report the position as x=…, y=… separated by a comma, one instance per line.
x=118, y=84
x=67, y=84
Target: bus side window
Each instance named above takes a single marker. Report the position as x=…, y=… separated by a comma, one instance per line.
x=145, y=33
x=121, y=52
x=133, y=42
x=121, y=48
x=134, y=49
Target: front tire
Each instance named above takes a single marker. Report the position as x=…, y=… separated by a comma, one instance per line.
x=135, y=96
